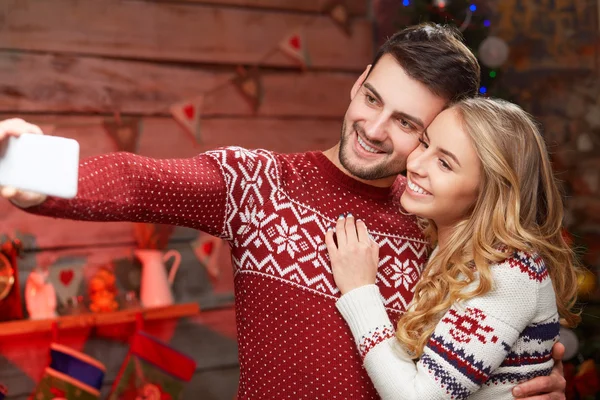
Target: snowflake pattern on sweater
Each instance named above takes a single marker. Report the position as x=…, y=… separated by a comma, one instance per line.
x=480, y=348
x=274, y=210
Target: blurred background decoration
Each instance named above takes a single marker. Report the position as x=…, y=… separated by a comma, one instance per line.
x=164, y=79
x=542, y=55
x=473, y=20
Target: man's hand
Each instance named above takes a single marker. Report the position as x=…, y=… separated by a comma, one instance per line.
x=17, y=127
x=550, y=387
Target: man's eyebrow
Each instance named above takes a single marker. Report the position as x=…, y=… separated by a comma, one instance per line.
x=443, y=151
x=414, y=120
x=372, y=89
x=397, y=114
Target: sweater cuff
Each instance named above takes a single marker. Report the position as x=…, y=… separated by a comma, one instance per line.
x=364, y=312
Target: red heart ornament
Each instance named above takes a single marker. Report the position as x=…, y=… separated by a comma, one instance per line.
x=295, y=42
x=189, y=111
x=66, y=276
x=207, y=248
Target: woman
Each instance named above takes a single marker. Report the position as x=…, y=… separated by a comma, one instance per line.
x=486, y=311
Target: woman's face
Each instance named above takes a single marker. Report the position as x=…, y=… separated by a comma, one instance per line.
x=443, y=173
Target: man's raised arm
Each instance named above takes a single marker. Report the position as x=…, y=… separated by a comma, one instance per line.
x=127, y=187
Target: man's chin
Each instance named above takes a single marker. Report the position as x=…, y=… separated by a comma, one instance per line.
x=367, y=174
x=361, y=168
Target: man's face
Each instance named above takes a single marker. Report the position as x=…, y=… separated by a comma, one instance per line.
x=381, y=127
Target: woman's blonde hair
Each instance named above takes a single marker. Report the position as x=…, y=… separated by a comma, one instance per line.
x=519, y=207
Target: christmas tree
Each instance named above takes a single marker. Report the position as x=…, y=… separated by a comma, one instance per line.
x=473, y=20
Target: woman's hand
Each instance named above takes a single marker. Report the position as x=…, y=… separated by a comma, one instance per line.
x=355, y=257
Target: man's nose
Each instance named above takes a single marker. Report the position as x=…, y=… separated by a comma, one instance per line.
x=376, y=129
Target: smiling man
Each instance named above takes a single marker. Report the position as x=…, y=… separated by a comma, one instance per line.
x=274, y=210
x=382, y=124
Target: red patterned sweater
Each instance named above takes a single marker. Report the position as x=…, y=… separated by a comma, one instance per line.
x=274, y=210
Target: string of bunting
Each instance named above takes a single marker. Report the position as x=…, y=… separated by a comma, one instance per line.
x=248, y=80
x=125, y=131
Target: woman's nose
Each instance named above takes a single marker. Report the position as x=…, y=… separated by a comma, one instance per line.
x=415, y=163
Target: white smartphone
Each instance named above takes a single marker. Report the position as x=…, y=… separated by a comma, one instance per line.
x=41, y=164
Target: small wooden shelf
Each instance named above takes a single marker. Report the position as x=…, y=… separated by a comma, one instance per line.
x=27, y=327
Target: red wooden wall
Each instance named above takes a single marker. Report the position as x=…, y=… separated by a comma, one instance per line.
x=69, y=65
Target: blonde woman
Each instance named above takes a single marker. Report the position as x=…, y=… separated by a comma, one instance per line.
x=486, y=311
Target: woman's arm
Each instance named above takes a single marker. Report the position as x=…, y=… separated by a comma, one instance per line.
x=393, y=373
x=468, y=344
x=471, y=340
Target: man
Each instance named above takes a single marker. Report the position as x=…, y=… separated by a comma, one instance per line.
x=274, y=210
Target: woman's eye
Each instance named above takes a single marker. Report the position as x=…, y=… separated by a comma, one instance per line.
x=424, y=143
x=371, y=99
x=445, y=165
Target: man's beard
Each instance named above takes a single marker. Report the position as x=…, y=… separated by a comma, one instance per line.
x=382, y=169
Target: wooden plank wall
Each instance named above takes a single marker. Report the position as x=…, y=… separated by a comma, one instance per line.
x=70, y=64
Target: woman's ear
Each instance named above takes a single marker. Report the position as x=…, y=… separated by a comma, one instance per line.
x=361, y=79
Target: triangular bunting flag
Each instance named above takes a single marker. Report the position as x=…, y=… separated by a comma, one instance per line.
x=66, y=276
x=294, y=46
x=48, y=129
x=207, y=249
x=124, y=132
x=187, y=114
x=338, y=11
x=249, y=84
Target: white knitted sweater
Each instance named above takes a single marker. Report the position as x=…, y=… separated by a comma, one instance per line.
x=480, y=348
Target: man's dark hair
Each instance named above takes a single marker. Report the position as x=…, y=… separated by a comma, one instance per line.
x=436, y=56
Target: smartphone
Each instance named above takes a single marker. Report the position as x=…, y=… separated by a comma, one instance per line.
x=39, y=163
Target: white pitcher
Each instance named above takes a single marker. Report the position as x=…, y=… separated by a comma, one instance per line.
x=155, y=288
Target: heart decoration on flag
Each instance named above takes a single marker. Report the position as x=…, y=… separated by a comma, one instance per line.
x=338, y=11
x=66, y=275
x=189, y=111
x=124, y=132
x=249, y=84
x=206, y=248
x=187, y=114
x=294, y=46
x=295, y=42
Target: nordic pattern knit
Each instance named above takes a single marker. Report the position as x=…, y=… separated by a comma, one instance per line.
x=480, y=348
x=274, y=210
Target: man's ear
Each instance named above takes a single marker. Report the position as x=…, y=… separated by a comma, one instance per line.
x=359, y=82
